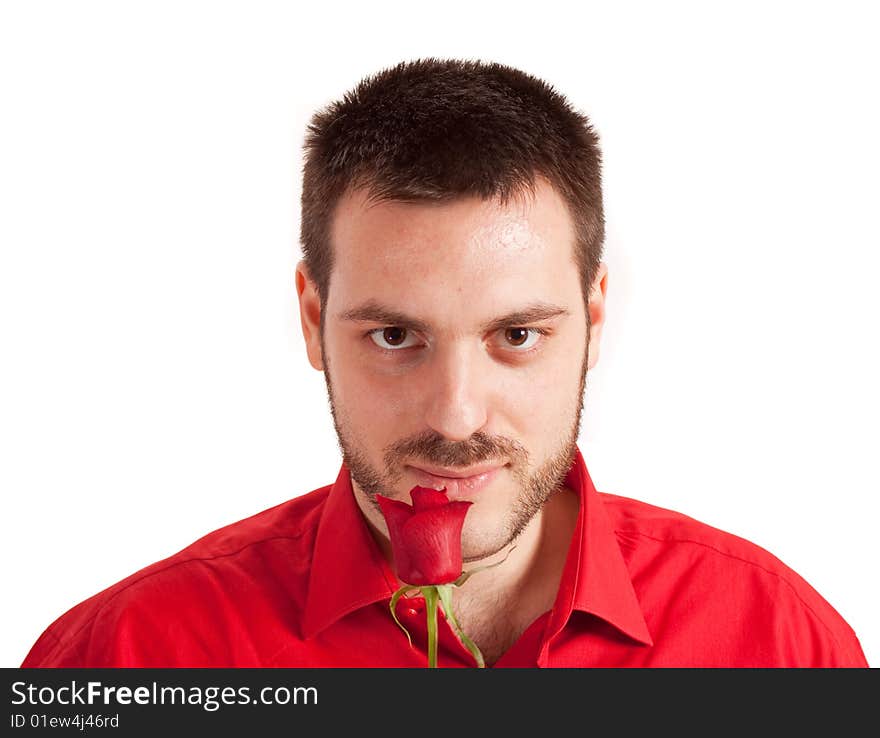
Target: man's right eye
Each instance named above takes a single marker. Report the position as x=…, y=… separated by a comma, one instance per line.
x=390, y=338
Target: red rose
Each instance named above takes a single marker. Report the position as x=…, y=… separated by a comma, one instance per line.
x=425, y=536
x=426, y=546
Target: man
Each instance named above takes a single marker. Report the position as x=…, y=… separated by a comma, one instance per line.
x=453, y=294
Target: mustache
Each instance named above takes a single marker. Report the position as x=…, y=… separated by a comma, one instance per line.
x=431, y=448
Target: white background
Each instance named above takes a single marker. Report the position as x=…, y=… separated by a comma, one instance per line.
x=154, y=384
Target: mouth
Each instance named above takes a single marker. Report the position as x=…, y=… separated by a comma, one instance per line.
x=458, y=483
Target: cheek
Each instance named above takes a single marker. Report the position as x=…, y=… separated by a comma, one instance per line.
x=548, y=402
x=371, y=399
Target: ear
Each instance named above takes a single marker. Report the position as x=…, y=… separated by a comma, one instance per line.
x=309, y=315
x=597, y=311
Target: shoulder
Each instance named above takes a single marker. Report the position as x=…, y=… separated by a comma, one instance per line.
x=225, y=574
x=660, y=532
x=680, y=565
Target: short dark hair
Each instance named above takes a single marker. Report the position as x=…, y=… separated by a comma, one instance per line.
x=436, y=129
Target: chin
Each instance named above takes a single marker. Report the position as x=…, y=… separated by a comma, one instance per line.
x=474, y=548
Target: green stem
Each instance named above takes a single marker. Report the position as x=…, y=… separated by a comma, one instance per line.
x=445, y=592
x=431, y=597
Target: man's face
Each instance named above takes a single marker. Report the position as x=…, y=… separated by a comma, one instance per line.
x=447, y=376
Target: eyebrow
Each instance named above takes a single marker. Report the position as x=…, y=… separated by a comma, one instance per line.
x=375, y=312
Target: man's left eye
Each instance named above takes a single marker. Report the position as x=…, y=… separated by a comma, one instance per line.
x=519, y=337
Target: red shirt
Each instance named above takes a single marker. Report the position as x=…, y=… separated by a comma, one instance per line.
x=304, y=584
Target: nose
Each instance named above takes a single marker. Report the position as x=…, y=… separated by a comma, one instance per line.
x=458, y=392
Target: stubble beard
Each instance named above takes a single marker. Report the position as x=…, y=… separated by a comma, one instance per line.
x=534, y=489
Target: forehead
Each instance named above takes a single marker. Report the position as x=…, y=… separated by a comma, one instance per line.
x=470, y=254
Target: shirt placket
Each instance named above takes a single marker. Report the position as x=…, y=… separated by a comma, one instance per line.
x=411, y=613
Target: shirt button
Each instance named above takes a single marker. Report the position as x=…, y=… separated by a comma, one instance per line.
x=411, y=609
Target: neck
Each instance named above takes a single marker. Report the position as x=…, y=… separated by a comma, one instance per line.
x=534, y=563
x=494, y=607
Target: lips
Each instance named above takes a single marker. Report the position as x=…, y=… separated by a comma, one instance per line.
x=463, y=484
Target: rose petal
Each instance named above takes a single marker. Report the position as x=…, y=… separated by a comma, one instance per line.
x=424, y=498
x=396, y=513
x=431, y=544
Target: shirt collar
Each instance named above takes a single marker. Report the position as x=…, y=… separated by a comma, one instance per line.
x=348, y=569
x=595, y=579
x=349, y=572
